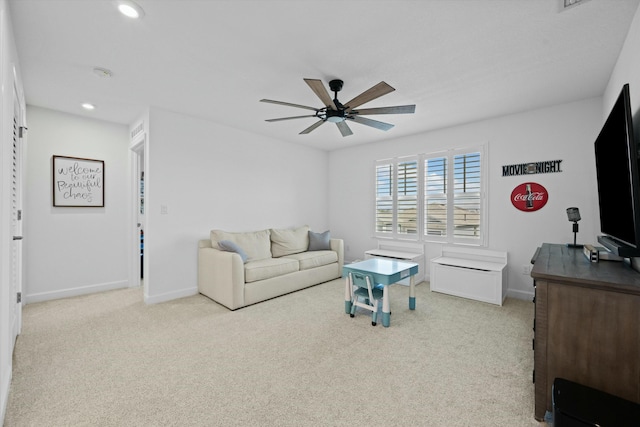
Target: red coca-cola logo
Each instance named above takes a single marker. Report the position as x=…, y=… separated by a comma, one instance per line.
x=529, y=197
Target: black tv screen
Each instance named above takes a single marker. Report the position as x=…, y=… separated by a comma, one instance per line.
x=618, y=183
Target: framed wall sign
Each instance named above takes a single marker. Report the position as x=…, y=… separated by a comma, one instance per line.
x=78, y=182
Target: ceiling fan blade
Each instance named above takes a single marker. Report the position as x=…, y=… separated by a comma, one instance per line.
x=288, y=104
x=399, y=109
x=345, y=130
x=373, y=123
x=289, y=118
x=318, y=88
x=369, y=95
x=312, y=127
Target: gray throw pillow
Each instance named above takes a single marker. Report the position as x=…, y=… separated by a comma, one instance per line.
x=229, y=246
x=319, y=241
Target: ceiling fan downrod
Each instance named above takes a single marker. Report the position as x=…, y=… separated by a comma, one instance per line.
x=335, y=116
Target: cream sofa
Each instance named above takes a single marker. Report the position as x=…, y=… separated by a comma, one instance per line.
x=259, y=265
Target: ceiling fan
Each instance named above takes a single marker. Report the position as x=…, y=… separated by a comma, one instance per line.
x=336, y=112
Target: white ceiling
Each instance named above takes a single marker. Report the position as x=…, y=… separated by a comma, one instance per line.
x=457, y=60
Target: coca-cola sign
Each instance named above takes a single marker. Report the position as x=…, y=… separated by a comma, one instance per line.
x=529, y=197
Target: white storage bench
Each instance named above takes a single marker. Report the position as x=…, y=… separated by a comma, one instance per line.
x=479, y=274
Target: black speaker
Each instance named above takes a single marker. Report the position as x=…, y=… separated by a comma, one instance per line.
x=576, y=405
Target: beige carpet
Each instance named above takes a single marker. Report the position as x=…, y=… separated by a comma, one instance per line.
x=298, y=360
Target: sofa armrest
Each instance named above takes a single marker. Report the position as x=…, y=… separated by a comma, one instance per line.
x=338, y=246
x=221, y=276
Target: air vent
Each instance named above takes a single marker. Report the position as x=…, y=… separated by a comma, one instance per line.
x=137, y=130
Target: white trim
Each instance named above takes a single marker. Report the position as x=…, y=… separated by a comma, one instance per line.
x=6, y=376
x=74, y=292
x=137, y=148
x=168, y=296
x=519, y=294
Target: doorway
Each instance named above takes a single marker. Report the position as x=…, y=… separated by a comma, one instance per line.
x=137, y=156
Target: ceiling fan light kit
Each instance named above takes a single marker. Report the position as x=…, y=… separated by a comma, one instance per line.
x=336, y=112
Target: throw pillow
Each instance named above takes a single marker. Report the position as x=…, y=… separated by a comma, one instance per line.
x=319, y=241
x=256, y=244
x=229, y=246
x=289, y=241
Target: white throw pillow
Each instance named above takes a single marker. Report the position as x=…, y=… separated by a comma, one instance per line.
x=256, y=244
x=289, y=241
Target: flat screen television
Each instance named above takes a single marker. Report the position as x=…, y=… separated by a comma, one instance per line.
x=618, y=181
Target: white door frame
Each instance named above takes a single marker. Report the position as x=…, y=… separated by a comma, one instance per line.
x=136, y=155
x=16, y=266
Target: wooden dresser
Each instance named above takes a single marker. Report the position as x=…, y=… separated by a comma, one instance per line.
x=587, y=324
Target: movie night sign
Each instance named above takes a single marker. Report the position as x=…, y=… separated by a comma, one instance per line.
x=548, y=166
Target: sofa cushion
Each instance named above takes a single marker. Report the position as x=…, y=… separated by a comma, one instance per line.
x=268, y=268
x=314, y=259
x=256, y=244
x=229, y=246
x=289, y=241
x=319, y=241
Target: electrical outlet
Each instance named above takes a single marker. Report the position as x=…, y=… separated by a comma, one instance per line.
x=526, y=269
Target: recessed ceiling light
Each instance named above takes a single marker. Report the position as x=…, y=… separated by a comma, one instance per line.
x=130, y=9
x=88, y=106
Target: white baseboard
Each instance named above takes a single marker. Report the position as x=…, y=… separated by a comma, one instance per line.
x=74, y=292
x=518, y=294
x=155, y=299
x=4, y=393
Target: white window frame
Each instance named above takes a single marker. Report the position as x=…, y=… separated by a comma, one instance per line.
x=420, y=235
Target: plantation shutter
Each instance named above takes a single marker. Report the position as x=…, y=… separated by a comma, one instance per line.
x=467, y=195
x=435, y=197
x=384, y=198
x=407, y=202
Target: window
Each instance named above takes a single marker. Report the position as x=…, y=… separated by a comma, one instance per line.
x=407, y=202
x=445, y=189
x=435, y=207
x=453, y=197
x=384, y=198
x=466, y=195
x=397, y=198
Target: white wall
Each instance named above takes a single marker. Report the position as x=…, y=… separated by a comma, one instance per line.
x=627, y=70
x=72, y=251
x=564, y=132
x=211, y=176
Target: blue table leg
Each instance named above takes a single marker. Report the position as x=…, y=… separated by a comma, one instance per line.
x=412, y=303
x=386, y=319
